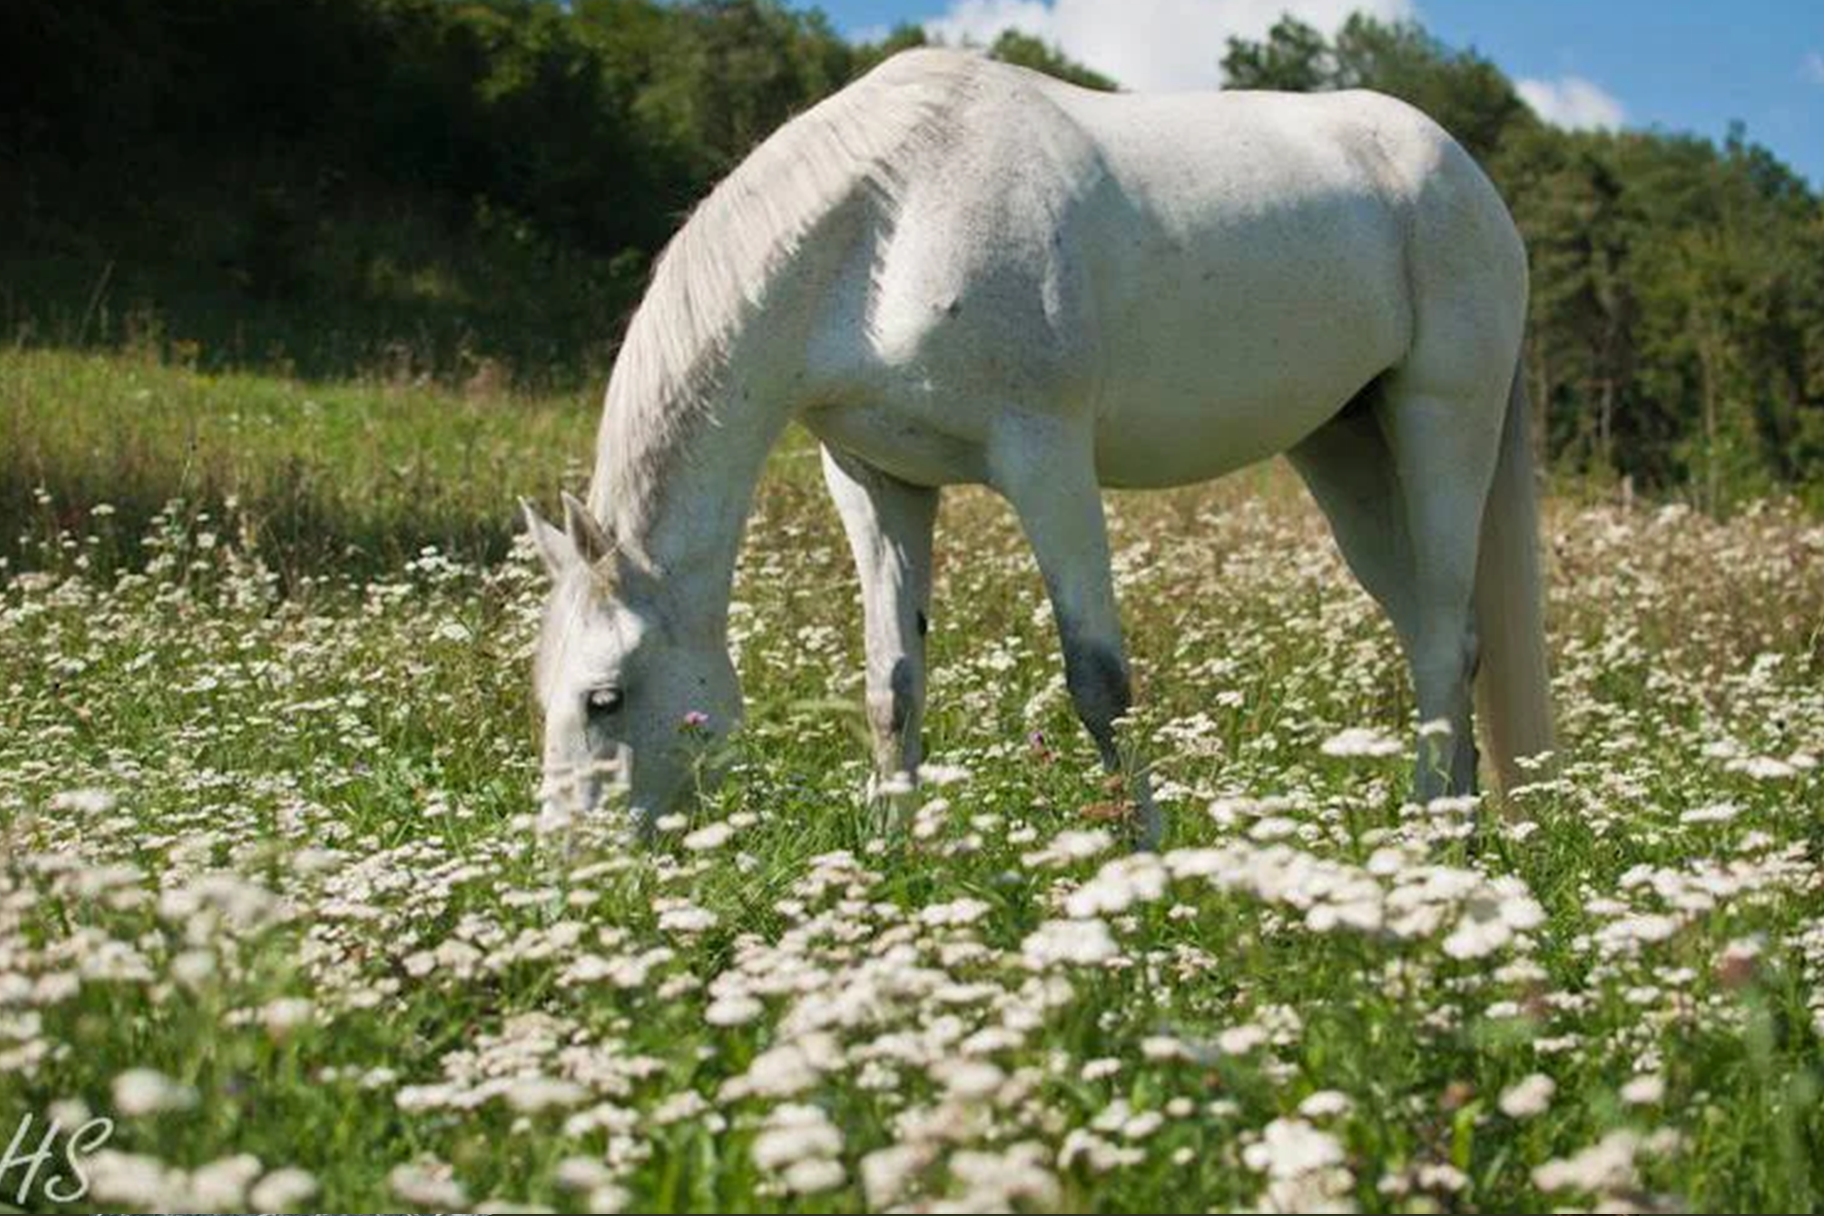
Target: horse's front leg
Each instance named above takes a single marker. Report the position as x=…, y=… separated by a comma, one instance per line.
x=889, y=523
x=1046, y=470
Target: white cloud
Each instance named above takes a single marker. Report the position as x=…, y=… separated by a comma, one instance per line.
x=1573, y=102
x=1813, y=67
x=1148, y=44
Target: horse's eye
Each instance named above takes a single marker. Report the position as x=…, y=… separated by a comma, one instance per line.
x=605, y=701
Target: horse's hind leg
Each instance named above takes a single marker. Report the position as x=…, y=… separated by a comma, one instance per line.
x=889, y=523
x=1349, y=470
x=1046, y=469
x=1444, y=435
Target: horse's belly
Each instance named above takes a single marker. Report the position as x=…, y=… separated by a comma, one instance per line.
x=1179, y=442
x=904, y=442
x=1191, y=396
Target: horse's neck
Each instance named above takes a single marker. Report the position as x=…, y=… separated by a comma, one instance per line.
x=694, y=536
x=679, y=495
x=681, y=504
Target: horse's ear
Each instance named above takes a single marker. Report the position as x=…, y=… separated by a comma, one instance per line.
x=552, y=545
x=585, y=532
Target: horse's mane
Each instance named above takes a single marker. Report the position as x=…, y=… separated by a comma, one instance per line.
x=716, y=270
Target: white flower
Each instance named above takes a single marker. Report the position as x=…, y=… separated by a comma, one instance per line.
x=1291, y=1147
x=1015, y=1180
x=285, y=1015
x=1118, y=886
x=733, y=1009
x=1361, y=741
x=1606, y=1166
x=687, y=919
x=136, y=1180
x=72, y=1113
x=1273, y=827
x=779, y=1072
x=84, y=801
x=711, y=836
x=607, y=1199
x=1153, y=1047
x=1627, y=935
x=1528, y=1097
x=1715, y=812
x=282, y=1190
x=428, y=1184
x=1142, y=1125
x=194, y=968
x=1326, y=1104
x=1646, y=1089
x=146, y=1091
x=1083, y=943
x=813, y=1176
x=1763, y=768
x=1094, y=1152
x=578, y=1173
x=1477, y=934
x=796, y=1133
x=529, y=1095
x=1326, y=1190
x=1069, y=846
x=968, y=1079
x=1240, y=1040
x=956, y=912
x=942, y=774
x=221, y=1186
x=1437, y=1176
x=887, y=1173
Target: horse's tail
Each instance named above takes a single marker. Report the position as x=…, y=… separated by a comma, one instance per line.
x=1513, y=686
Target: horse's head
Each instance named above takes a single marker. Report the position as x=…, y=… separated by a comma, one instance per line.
x=628, y=698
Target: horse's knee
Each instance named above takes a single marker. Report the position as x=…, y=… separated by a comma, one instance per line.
x=1445, y=661
x=892, y=707
x=1099, y=688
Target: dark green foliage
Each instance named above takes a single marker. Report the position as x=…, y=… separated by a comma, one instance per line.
x=1029, y=52
x=474, y=190
x=1462, y=90
x=444, y=188
x=328, y=184
x=1293, y=56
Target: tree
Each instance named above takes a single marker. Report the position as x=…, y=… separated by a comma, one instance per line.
x=1464, y=92
x=1029, y=52
x=1293, y=57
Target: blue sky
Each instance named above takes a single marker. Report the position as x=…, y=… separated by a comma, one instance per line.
x=1681, y=65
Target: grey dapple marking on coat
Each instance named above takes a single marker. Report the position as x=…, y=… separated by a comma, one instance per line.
x=958, y=271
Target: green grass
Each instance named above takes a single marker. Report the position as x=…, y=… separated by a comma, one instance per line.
x=327, y=476
x=296, y=761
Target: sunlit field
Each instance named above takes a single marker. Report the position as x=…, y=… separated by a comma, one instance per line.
x=274, y=903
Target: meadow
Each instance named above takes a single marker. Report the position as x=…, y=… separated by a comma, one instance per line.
x=274, y=901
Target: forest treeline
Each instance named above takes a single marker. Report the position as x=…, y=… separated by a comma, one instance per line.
x=474, y=190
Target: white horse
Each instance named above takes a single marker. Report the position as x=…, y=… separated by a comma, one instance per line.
x=957, y=271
